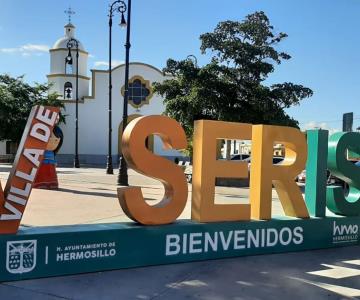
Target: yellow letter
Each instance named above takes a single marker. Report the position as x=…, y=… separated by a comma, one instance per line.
x=264, y=173
x=143, y=161
x=206, y=169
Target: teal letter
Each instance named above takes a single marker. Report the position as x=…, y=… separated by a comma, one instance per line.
x=339, y=144
x=315, y=187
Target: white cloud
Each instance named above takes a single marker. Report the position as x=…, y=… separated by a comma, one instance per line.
x=27, y=50
x=36, y=48
x=322, y=125
x=103, y=63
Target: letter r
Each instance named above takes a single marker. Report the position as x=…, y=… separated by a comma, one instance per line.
x=263, y=173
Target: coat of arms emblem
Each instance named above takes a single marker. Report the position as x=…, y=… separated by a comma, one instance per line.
x=21, y=256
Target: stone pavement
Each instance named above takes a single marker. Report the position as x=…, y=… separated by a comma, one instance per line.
x=89, y=196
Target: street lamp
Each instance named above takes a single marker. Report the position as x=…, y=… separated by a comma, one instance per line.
x=193, y=59
x=73, y=43
x=116, y=6
x=123, y=174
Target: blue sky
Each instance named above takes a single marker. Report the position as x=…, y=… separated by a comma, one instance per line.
x=324, y=42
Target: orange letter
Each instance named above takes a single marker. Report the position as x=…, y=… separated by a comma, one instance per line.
x=206, y=169
x=264, y=173
x=143, y=161
x=14, y=198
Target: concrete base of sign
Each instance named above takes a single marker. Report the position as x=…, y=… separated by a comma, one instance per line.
x=54, y=251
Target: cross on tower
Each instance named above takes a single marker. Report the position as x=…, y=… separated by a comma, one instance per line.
x=69, y=12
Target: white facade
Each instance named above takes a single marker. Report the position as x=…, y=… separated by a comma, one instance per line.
x=7, y=151
x=94, y=104
x=60, y=73
x=2, y=147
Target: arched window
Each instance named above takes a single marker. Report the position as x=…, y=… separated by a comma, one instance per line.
x=68, y=90
x=68, y=68
x=69, y=63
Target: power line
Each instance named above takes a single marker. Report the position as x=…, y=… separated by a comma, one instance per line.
x=328, y=121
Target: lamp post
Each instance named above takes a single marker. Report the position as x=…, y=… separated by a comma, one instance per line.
x=192, y=58
x=73, y=43
x=123, y=174
x=116, y=6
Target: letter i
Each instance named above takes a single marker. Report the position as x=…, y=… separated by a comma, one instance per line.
x=315, y=184
x=263, y=238
x=184, y=243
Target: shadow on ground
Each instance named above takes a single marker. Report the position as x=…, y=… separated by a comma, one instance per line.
x=281, y=276
x=92, y=193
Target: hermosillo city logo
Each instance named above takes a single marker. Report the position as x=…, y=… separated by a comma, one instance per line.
x=21, y=256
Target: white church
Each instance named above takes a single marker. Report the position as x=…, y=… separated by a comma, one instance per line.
x=94, y=103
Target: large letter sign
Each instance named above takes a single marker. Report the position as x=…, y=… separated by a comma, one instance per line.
x=207, y=168
x=143, y=161
x=27, y=161
x=215, y=230
x=316, y=172
x=339, y=143
x=264, y=173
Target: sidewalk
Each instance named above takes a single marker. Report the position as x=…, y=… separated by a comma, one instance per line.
x=89, y=196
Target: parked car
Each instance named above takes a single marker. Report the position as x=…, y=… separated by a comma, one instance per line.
x=331, y=179
x=239, y=157
x=301, y=177
x=276, y=160
x=245, y=157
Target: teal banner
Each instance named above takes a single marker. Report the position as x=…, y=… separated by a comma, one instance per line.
x=53, y=251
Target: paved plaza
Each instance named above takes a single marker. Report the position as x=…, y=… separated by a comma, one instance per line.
x=89, y=196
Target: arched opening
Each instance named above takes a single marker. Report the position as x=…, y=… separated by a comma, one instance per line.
x=149, y=141
x=68, y=89
x=69, y=63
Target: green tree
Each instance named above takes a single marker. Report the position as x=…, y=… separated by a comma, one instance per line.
x=16, y=101
x=232, y=87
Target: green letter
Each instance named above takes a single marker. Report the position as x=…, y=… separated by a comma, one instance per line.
x=315, y=187
x=339, y=144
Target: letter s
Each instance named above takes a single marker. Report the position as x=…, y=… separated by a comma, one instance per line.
x=140, y=159
x=339, y=144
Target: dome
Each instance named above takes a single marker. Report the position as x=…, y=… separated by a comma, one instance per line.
x=62, y=43
x=69, y=33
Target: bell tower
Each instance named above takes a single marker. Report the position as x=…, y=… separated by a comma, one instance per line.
x=62, y=74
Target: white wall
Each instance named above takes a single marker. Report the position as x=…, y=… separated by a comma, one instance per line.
x=57, y=61
x=59, y=82
x=2, y=147
x=57, y=67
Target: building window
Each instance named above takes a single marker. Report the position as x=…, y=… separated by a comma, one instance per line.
x=139, y=91
x=68, y=90
x=69, y=64
x=68, y=69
